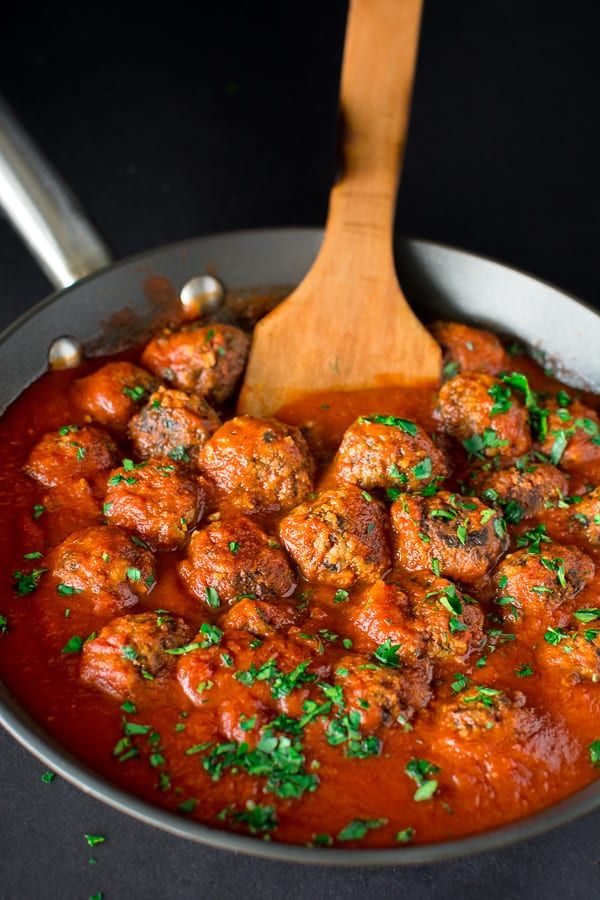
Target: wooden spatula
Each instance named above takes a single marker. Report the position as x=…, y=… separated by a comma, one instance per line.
x=348, y=326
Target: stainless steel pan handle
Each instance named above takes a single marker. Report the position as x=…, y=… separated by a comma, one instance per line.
x=44, y=211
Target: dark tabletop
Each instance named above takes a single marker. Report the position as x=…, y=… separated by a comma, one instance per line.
x=174, y=123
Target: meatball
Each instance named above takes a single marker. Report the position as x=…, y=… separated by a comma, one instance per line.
x=259, y=465
x=573, y=437
x=338, y=538
x=382, y=695
x=522, y=491
x=483, y=713
x=173, y=424
x=574, y=653
x=72, y=452
x=584, y=518
x=469, y=349
x=457, y=537
x=480, y=411
x=534, y=583
x=385, y=451
x=233, y=558
x=112, y=394
x=426, y=616
x=205, y=360
x=156, y=499
x=70, y=506
x=275, y=670
x=131, y=651
x=260, y=617
x=105, y=567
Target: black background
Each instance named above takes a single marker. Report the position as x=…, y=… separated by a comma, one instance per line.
x=179, y=121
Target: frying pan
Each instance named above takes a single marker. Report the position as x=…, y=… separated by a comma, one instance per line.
x=439, y=281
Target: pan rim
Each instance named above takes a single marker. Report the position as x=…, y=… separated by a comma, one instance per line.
x=21, y=725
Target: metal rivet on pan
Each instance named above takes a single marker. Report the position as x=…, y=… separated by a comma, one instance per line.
x=65, y=353
x=200, y=295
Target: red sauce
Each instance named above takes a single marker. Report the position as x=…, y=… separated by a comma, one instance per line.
x=477, y=791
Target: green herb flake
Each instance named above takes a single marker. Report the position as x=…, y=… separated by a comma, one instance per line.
x=212, y=598
x=405, y=836
x=93, y=840
x=359, y=828
x=73, y=645
x=38, y=510
x=341, y=596
x=48, y=777
x=393, y=421
x=594, y=751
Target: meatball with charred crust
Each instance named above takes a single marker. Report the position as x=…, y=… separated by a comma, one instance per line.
x=205, y=360
x=259, y=465
x=575, y=653
x=71, y=452
x=522, y=491
x=233, y=558
x=260, y=617
x=538, y=583
x=459, y=536
x=426, y=615
x=379, y=696
x=106, y=569
x=156, y=499
x=132, y=651
x=174, y=424
x=584, y=517
x=573, y=435
x=386, y=451
x=481, y=412
x=113, y=393
x=468, y=349
x=338, y=538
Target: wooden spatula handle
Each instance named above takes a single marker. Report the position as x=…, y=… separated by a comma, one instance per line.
x=376, y=86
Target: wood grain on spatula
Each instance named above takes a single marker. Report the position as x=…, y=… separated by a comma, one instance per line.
x=348, y=326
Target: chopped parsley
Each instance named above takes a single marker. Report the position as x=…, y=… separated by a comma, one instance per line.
x=594, y=751
x=393, y=421
x=405, y=836
x=387, y=654
x=359, y=828
x=212, y=597
x=93, y=840
x=421, y=770
x=27, y=582
x=48, y=777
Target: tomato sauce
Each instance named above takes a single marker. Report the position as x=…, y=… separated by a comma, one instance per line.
x=479, y=787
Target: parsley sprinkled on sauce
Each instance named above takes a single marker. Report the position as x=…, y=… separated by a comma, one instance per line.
x=36, y=554
x=38, y=510
x=4, y=629
x=594, y=751
x=73, y=645
x=341, y=596
x=423, y=469
x=188, y=806
x=257, y=818
x=475, y=444
x=27, y=582
x=134, y=574
x=501, y=395
x=358, y=828
x=587, y=615
x=66, y=590
x=405, y=836
x=421, y=770
x=524, y=671
x=234, y=547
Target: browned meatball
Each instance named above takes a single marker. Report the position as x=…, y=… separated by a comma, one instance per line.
x=260, y=617
x=382, y=695
x=275, y=670
x=105, y=568
x=173, y=424
x=522, y=491
x=481, y=412
x=233, y=558
x=427, y=615
x=70, y=506
x=576, y=653
x=259, y=465
x=206, y=360
x=112, y=394
x=71, y=452
x=458, y=537
x=131, y=651
x=483, y=713
x=584, y=517
x=156, y=499
x=535, y=583
x=338, y=538
x=573, y=437
x=468, y=349
x=385, y=451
